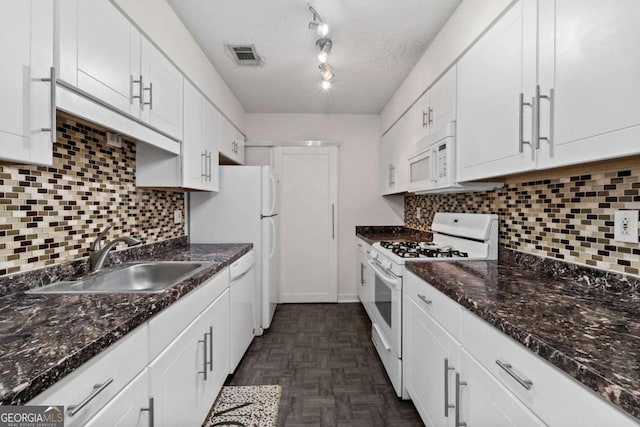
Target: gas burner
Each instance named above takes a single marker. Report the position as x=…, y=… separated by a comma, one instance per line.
x=422, y=250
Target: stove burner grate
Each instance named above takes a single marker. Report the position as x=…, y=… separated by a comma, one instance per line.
x=422, y=250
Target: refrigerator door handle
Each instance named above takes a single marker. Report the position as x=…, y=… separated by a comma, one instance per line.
x=267, y=216
x=273, y=238
x=273, y=193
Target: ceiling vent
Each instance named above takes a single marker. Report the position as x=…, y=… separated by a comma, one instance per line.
x=245, y=55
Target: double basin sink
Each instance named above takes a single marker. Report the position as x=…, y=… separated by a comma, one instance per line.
x=138, y=277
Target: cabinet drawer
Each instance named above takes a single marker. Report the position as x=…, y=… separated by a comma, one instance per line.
x=119, y=363
x=168, y=324
x=554, y=396
x=443, y=309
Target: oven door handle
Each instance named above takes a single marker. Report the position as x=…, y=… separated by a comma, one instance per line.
x=392, y=282
x=382, y=338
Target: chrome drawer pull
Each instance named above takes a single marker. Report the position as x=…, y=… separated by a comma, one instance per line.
x=509, y=369
x=459, y=384
x=425, y=300
x=447, y=368
x=97, y=389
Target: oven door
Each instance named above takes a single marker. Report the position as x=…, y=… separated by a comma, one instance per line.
x=387, y=310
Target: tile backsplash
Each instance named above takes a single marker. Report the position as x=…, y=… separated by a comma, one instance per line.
x=51, y=214
x=564, y=217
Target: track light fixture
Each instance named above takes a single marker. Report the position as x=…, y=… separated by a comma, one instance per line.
x=318, y=24
x=325, y=45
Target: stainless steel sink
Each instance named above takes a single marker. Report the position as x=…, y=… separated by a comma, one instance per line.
x=142, y=277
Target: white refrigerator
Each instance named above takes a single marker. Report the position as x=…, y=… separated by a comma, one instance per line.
x=245, y=210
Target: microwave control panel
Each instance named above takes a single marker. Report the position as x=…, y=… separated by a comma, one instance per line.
x=442, y=160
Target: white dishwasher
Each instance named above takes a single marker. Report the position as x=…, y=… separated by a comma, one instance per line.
x=241, y=295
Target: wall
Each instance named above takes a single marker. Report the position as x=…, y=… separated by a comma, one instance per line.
x=159, y=22
x=563, y=216
x=50, y=215
x=359, y=202
x=466, y=24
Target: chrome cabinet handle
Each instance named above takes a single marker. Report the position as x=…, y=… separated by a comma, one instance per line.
x=97, y=389
x=150, y=90
x=424, y=119
x=389, y=175
x=131, y=83
x=509, y=369
x=521, y=141
x=392, y=175
x=447, y=368
x=459, y=384
x=203, y=163
x=537, y=115
x=52, y=104
x=204, y=353
x=150, y=409
x=430, y=118
x=210, y=166
x=210, y=363
x=425, y=300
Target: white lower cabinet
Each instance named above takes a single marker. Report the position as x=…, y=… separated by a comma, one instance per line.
x=485, y=379
x=132, y=407
x=167, y=372
x=366, y=278
x=187, y=375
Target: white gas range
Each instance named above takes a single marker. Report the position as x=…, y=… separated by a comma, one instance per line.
x=456, y=237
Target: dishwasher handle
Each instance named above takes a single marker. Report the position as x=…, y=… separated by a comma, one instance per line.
x=241, y=266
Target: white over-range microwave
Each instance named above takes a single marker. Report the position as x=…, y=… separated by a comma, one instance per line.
x=432, y=169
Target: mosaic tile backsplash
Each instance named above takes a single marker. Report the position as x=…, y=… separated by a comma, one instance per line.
x=51, y=214
x=568, y=218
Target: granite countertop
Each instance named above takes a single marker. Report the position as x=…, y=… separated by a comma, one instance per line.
x=587, y=323
x=46, y=337
x=378, y=233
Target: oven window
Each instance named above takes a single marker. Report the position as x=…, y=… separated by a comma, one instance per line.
x=383, y=300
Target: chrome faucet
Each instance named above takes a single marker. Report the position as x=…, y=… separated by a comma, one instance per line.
x=98, y=254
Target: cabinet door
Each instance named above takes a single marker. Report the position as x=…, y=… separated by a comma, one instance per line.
x=211, y=145
x=216, y=322
x=484, y=402
x=26, y=48
x=403, y=148
x=162, y=92
x=238, y=139
x=226, y=137
x=176, y=378
x=593, y=65
x=386, y=170
x=426, y=348
x=492, y=75
x=107, y=53
x=129, y=408
x=420, y=118
x=442, y=101
x=194, y=151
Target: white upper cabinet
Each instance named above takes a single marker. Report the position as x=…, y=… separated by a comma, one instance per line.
x=552, y=83
x=395, y=149
x=103, y=55
x=420, y=117
x=591, y=61
x=162, y=91
x=27, y=109
x=495, y=87
x=435, y=108
x=231, y=142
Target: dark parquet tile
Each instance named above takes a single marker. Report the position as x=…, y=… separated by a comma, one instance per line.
x=322, y=356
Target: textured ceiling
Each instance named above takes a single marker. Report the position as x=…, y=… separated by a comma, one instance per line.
x=376, y=43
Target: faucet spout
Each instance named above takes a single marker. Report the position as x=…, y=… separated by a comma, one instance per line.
x=98, y=254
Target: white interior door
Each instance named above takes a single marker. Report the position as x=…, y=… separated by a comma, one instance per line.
x=308, y=223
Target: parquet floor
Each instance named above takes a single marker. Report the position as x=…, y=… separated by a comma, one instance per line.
x=322, y=356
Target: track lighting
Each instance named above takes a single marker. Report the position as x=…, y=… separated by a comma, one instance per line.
x=325, y=45
x=326, y=71
x=318, y=24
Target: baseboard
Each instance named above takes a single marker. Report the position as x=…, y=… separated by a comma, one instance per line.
x=348, y=298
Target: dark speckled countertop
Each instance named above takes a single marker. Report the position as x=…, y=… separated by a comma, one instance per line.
x=586, y=322
x=378, y=233
x=45, y=337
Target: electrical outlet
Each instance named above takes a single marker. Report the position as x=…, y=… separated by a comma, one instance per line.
x=418, y=213
x=625, y=226
x=177, y=217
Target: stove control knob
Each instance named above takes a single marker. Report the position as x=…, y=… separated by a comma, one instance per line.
x=386, y=264
x=373, y=254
